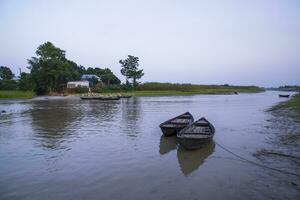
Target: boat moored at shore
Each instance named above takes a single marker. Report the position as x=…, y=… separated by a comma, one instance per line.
x=196, y=135
x=174, y=125
x=100, y=97
x=284, y=95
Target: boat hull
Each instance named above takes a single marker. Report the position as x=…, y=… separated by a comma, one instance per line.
x=99, y=98
x=193, y=143
x=176, y=124
x=285, y=96
x=169, y=131
x=126, y=97
x=196, y=135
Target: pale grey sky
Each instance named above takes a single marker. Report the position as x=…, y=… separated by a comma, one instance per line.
x=244, y=42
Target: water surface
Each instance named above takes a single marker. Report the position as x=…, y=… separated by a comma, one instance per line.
x=66, y=148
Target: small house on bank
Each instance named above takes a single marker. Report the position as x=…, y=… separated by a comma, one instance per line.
x=75, y=84
x=86, y=81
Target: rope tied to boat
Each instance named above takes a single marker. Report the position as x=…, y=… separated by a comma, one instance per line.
x=257, y=164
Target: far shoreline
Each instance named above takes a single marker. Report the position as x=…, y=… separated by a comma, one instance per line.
x=15, y=95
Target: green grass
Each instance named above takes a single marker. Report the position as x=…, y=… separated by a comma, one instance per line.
x=169, y=89
x=293, y=103
x=16, y=94
x=210, y=89
x=179, y=93
x=173, y=89
x=190, y=91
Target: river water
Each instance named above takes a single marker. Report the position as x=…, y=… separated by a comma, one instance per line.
x=67, y=148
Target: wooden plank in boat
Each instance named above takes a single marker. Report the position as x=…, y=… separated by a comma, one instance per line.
x=172, y=125
x=180, y=121
x=185, y=116
x=197, y=130
x=201, y=123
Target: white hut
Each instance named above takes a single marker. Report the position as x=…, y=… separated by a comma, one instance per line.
x=75, y=84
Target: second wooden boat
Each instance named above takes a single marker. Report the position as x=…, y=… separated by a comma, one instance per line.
x=196, y=135
x=126, y=96
x=174, y=125
x=284, y=95
x=100, y=97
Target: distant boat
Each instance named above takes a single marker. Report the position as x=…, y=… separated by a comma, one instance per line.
x=100, y=97
x=126, y=96
x=196, y=135
x=174, y=125
x=284, y=95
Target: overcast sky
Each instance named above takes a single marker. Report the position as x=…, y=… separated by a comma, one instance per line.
x=207, y=42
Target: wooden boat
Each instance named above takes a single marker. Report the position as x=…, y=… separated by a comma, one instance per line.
x=100, y=97
x=174, y=125
x=126, y=96
x=284, y=95
x=196, y=135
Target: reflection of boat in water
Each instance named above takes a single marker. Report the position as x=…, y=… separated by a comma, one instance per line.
x=189, y=161
x=167, y=144
x=174, y=125
x=196, y=135
x=284, y=95
x=100, y=97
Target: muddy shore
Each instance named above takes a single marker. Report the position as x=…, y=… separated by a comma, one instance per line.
x=283, y=144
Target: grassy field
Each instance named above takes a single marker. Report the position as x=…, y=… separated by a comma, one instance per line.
x=169, y=89
x=156, y=89
x=15, y=94
x=293, y=103
x=178, y=93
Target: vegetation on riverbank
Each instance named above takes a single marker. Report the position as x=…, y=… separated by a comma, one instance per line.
x=169, y=89
x=198, y=89
x=293, y=103
x=147, y=89
x=16, y=94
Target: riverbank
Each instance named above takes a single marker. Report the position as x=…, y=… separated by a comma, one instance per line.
x=291, y=104
x=168, y=89
x=16, y=94
x=283, y=141
x=151, y=89
x=169, y=93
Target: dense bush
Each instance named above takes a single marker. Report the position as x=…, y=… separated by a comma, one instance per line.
x=25, y=83
x=153, y=86
x=113, y=88
x=169, y=86
x=8, y=85
x=6, y=73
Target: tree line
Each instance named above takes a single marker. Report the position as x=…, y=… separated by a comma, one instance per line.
x=50, y=71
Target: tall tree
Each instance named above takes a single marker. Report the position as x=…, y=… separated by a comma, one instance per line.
x=130, y=69
x=6, y=73
x=50, y=70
